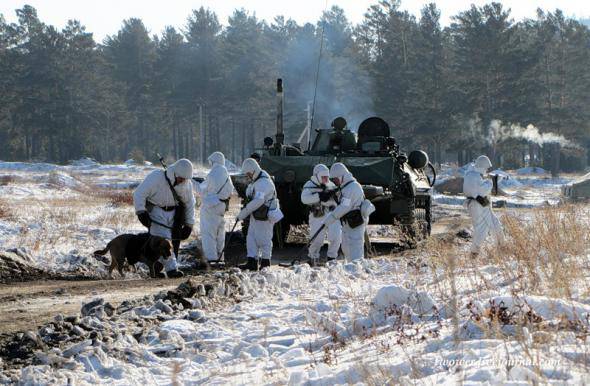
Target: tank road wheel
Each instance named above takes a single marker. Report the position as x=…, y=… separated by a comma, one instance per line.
x=424, y=218
x=428, y=216
x=416, y=225
x=422, y=224
x=408, y=228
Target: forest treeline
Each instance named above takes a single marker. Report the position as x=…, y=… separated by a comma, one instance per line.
x=64, y=95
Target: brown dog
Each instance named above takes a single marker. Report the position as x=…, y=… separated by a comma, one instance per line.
x=130, y=248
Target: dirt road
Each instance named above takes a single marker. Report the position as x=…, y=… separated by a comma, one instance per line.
x=24, y=306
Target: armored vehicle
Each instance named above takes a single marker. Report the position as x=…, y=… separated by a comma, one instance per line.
x=398, y=185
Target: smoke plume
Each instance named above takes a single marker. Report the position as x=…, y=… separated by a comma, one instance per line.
x=499, y=132
x=344, y=88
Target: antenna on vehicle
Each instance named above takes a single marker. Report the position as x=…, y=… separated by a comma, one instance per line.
x=317, y=75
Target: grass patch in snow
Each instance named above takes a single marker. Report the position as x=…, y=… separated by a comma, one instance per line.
x=116, y=198
x=5, y=212
x=64, y=227
x=546, y=253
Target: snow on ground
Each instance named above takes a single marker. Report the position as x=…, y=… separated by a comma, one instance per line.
x=524, y=188
x=63, y=213
x=375, y=322
x=60, y=214
x=531, y=170
x=94, y=174
x=409, y=320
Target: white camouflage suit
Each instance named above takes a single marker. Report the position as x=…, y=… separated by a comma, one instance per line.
x=155, y=190
x=484, y=219
x=216, y=187
x=350, y=197
x=260, y=191
x=310, y=196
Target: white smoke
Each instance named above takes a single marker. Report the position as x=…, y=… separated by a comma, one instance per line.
x=499, y=132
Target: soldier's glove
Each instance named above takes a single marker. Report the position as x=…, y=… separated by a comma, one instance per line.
x=199, y=179
x=144, y=218
x=186, y=231
x=483, y=201
x=325, y=195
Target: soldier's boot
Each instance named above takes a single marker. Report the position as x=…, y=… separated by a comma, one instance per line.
x=174, y=274
x=158, y=267
x=264, y=263
x=203, y=265
x=251, y=264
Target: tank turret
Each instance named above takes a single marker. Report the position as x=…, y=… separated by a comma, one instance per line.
x=398, y=185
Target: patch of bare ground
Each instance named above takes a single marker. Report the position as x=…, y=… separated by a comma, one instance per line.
x=66, y=324
x=25, y=306
x=6, y=179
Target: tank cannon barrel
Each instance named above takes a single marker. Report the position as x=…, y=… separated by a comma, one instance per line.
x=280, y=137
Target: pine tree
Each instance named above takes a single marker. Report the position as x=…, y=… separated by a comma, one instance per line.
x=63, y=96
x=427, y=95
x=132, y=54
x=204, y=69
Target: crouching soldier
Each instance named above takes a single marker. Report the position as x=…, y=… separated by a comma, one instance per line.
x=319, y=194
x=352, y=210
x=263, y=212
x=165, y=204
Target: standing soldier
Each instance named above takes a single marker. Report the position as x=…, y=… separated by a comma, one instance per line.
x=477, y=190
x=157, y=201
x=351, y=211
x=215, y=192
x=262, y=201
x=319, y=194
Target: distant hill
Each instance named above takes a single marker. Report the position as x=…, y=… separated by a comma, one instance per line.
x=586, y=22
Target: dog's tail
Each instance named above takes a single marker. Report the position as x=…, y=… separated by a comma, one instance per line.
x=101, y=252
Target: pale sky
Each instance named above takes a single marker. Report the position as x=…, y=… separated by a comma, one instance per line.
x=104, y=17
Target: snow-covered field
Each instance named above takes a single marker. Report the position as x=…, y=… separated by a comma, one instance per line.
x=59, y=214
x=523, y=188
x=518, y=315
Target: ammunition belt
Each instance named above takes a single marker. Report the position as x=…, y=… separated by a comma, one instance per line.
x=164, y=208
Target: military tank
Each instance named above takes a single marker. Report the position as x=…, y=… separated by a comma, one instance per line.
x=398, y=184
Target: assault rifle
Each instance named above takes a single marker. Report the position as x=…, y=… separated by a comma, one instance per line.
x=179, y=212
